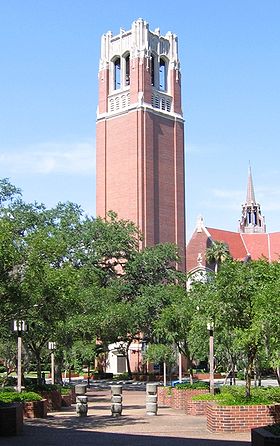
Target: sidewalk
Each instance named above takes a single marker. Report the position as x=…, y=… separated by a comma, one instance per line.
x=134, y=428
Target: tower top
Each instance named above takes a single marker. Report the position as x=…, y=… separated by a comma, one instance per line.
x=139, y=41
x=139, y=69
x=251, y=219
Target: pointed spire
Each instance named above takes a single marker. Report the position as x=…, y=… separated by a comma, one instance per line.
x=250, y=188
x=252, y=220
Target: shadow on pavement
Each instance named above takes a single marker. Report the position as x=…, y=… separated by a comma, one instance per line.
x=73, y=436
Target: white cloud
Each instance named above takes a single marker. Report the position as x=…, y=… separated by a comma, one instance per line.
x=234, y=195
x=50, y=158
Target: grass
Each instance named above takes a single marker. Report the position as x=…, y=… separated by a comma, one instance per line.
x=235, y=396
x=195, y=385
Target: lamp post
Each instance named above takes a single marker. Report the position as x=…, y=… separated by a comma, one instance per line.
x=19, y=326
x=210, y=327
x=180, y=364
x=52, y=347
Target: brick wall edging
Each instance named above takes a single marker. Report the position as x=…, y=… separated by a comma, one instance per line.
x=240, y=418
x=177, y=398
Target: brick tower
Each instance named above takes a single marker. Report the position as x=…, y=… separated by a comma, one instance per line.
x=140, y=134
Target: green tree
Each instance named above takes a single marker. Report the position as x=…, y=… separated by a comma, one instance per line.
x=238, y=302
x=217, y=253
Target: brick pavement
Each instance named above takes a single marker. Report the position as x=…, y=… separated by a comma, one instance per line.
x=134, y=428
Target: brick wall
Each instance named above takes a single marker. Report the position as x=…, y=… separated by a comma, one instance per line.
x=196, y=408
x=181, y=396
x=177, y=398
x=240, y=418
x=164, y=396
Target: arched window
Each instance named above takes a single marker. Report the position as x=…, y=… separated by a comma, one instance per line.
x=117, y=73
x=127, y=70
x=152, y=71
x=162, y=75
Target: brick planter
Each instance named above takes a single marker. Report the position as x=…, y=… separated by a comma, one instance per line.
x=180, y=397
x=262, y=437
x=177, y=398
x=35, y=409
x=164, y=396
x=240, y=418
x=53, y=398
x=196, y=408
x=11, y=419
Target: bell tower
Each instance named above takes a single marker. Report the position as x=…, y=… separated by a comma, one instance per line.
x=252, y=220
x=140, y=134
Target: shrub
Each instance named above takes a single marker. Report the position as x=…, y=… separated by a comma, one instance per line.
x=65, y=390
x=205, y=397
x=42, y=387
x=11, y=397
x=195, y=385
x=235, y=396
x=122, y=376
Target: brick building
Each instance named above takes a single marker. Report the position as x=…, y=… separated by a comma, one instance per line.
x=140, y=134
x=140, y=143
x=251, y=241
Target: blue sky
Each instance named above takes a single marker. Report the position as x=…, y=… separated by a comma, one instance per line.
x=230, y=61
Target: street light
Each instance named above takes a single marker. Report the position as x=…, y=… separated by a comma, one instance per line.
x=19, y=326
x=210, y=328
x=180, y=364
x=52, y=347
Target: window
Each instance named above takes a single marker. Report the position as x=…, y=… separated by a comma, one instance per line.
x=127, y=70
x=162, y=75
x=153, y=71
x=117, y=74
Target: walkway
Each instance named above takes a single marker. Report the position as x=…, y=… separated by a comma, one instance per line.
x=134, y=428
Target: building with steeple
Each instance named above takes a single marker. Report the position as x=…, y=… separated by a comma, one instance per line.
x=140, y=134
x=251, y=240
x=252, y=220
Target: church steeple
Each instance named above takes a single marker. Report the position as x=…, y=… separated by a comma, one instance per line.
x=251, y=220
x=250, y=188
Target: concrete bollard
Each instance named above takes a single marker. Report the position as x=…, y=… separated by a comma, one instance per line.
x=116, y=400
x=81, y=405
x=80, y=389
x=151, y=399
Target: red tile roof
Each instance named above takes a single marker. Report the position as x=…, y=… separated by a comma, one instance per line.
x=257, y=245
x=232, y=239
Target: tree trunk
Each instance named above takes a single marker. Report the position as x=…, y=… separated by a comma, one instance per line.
x=251, y=357
x=38, y=368
x=277, y=372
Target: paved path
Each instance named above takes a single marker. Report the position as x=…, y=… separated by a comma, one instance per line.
x=134, y=428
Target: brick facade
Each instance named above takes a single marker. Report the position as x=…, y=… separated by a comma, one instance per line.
x=140, y=137
x=240, y=418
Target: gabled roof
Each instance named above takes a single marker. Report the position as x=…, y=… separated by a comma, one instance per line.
x=235, y=243
x=257, y=245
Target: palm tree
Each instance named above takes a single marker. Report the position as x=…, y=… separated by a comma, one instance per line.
x=218, y=252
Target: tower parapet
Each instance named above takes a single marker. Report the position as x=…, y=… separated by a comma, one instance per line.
x=139, y=68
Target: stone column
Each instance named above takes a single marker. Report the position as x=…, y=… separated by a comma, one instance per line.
x=80, y=389
x=151, y=399
x=81, y=405
x=116, y=400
